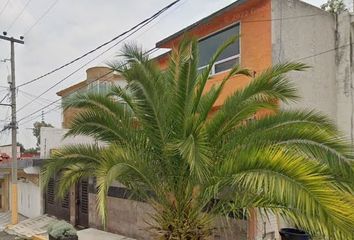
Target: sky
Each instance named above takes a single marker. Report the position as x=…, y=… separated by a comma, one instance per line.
x=70, y=29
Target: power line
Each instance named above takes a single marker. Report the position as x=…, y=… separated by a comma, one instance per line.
x=4, y=7
x=299, y=59
x=34, y=96
x=77, y=70
x=156, y=14
x=294, y=17
x=84, y=65
x=149, y=52
x=42, y=16
x=19, y=15
x=42, y=113
x=153, y=25
x=4, y=98
x=41, y=101
x=52, y=103
x=102, y=45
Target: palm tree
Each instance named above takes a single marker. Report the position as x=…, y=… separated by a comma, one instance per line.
x=191, y=166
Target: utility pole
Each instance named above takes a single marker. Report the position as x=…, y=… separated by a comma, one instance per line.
x=13, y=126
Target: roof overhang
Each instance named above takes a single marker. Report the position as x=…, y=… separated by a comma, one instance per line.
x=23, y=164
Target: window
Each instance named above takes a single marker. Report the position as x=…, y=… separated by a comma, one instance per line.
x=209, y=45
x=101, y=87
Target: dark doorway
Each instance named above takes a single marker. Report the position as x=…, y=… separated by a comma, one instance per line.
x=55, y=206
x=82, y=203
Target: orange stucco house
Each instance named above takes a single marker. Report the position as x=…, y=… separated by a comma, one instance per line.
x=271, y=31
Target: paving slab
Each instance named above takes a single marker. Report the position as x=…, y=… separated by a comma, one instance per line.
x=32, y=226
x=94, y=234
x=5, y=219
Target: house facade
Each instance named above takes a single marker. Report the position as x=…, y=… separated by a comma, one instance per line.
x=98, y=80
x=271, y=32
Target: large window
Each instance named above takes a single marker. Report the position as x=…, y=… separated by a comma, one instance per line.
x=209, y=45
x=101, y=87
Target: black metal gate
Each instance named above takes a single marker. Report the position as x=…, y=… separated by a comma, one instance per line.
x=55, y=206
x=82, y=203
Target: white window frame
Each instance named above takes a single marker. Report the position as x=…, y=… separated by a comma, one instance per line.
x=237, y=56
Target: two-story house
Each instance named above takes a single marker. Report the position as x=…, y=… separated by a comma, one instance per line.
x=271, y=32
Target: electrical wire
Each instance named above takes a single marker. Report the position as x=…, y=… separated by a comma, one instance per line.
x=102, y=45
x=303, y=58
x=299, y=59
x=84, y=65
x=4, y=97
x=41, y=17
x=149, y=52
x=39, y=101
x=56, y=101
x=19, y=15
x=4, y=7
x=78, y=69
x=34, y=96
x=153, y=25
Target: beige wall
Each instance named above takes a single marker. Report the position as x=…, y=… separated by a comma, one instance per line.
x=125, y=217
x=128, y=217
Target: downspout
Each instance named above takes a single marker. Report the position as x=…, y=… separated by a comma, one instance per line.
x=351, y=82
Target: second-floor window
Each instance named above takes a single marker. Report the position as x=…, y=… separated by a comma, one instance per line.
x=101, y=87
x=209, y=45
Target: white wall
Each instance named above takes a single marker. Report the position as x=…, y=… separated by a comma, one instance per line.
x=306, y=34
x=29, y=199
x=344, y=60
x=53, y=138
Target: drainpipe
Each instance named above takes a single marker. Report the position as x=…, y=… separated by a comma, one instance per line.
x=351, y=80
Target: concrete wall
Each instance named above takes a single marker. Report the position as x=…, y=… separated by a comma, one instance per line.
x=129, y=218
x=301, y=32
x=344, y=74
x=53, y=138
x=29, y=199
x=126, y=217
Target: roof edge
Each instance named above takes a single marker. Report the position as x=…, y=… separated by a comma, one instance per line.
x=201, y=21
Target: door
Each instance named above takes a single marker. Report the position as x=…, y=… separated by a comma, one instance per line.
x=55, y=206
x=29, y=203
x=82, y=203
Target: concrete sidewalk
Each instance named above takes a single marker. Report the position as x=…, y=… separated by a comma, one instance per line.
x=94, y=234
x=36, y=228
x=90, y=234
x=5, y=219
x=31, y=227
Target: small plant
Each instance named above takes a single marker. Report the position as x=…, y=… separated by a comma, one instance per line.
x=62, y=230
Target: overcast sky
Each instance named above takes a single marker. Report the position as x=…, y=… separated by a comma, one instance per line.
x=72, y=28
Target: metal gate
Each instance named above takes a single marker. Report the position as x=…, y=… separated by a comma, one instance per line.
x=55, y=206
x=82, y=203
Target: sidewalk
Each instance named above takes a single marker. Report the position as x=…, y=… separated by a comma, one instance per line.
x=5, y=219
x=94, y=234
x=30, y=227
x=36, y=228
x=91, y=234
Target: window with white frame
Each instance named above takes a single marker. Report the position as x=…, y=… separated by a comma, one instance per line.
x=209, y=45
x=101, y=87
